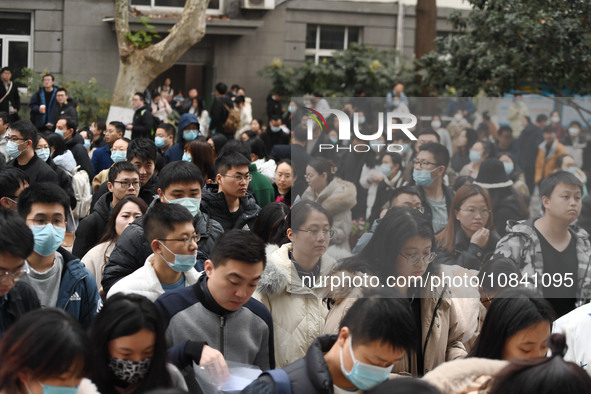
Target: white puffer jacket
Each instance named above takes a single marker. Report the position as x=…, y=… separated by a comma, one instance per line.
x=298, y=311
x=144, y=281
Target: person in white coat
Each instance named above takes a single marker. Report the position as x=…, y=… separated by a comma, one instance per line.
x=291, y=287
x=169, y=230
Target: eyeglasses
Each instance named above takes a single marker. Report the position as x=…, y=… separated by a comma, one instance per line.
x=240, y=178
x=16, y=276
x=422, y=164
x=126, y=184
x=315, y=233
x=57, y=222
x=13, y=138
x=414, y=259
x=472, y=212
x=194, y=238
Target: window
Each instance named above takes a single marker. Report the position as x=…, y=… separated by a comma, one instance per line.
x=323, y=40
x=15, y=41
x=215, y=7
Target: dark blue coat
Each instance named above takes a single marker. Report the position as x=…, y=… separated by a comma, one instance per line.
x=101, y=159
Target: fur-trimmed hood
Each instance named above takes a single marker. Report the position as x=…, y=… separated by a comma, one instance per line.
x=338, y=196
x=279, y=274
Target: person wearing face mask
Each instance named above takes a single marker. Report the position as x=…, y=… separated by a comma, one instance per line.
x=178, y=183
x=548, y=151
x=515, y=173
x=275, y=134
x=575, y=142
x=444, y=136
x=561, y=132
x=516, y=112
x=478, y=153
x=124, y=181
x=430, y=165
x=46, y=352
x=58, y=277
x=42, y=150
x=129, y=348
x=373, y=175
x=374, y=334
x=169, y=230
x=456, y=125
x=567, y=163
x=187, y=131
x=22, y=140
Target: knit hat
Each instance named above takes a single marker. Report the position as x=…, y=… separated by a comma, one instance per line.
x=492, y=175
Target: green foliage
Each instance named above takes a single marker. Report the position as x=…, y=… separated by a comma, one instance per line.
x=514, y=44
x=93, y=99
x=143, y=38
x=359, y=66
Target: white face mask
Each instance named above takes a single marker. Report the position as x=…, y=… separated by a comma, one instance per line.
x=458, y=117
x=436, y=124
x=555, y=119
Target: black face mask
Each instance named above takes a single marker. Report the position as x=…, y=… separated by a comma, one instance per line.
x=129, y=371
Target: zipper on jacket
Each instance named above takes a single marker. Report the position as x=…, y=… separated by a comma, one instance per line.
x=74, y=288
x=222, y=326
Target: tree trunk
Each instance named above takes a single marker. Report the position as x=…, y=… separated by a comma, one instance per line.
x=425, y=34
x=139, y=67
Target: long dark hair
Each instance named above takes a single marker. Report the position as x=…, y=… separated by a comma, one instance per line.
x=46, y=343
x=446, y=239
x=511, y=311
x=123, y=315
x=202, y=155
x=546, y=375
x=110, y=231
x=378, y=257
x=271, y=223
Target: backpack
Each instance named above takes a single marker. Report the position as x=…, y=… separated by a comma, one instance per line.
x=232, y=121
x=81, y=186
x=281, y=379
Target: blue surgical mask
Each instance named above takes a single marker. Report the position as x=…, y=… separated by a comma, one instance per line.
x=292, y=108
x=187, y=157
x=43, y=153
x=160, y=142
x=572, y=170
x=275, y=129
x=361, y=119
x=423, y=177
x=375, y=146
x=334, y=140
x=386, y=169
x=59, y=132
x=47, y=238
x=48, y=389
x=191, y=203
x=12, y=149
x=190, y=135
x=508, y=168
x=364, y=376
x=118, y=156
x=405, y=147
x=474, y=156
x=87, y=144
x=182, y=262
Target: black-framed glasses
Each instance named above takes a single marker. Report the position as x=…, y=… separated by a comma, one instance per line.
x=414, y=259
x=16, y=276
x=315, y=233
x=422, y=164
x=13, y=138
x=126, y=184
x=472, y=212
x=240, y=178
x=57, y=222
x=194, y=238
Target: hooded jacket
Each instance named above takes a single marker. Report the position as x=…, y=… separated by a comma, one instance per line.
x=447, y=193
x=64, y=181
x=338, y=197
x=215, y=203
x=143, y=123
x=144, y=281
x=92, y=227
x=298, y=311
x=76, y=146
x=68, y=109
x=522, y=245
x=441, y=327
x=175, y=152
x=310, y=374
x=132, y=249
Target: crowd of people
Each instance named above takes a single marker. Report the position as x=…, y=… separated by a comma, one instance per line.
x=210, y=238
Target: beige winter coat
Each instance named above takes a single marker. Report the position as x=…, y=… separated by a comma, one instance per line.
x=298, y=312
x=446, y=332
x=471, y=375
x=338, y=197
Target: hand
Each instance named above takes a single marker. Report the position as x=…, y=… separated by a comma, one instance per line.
x=129, y=127
x=480, y=237
x=213, y=361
